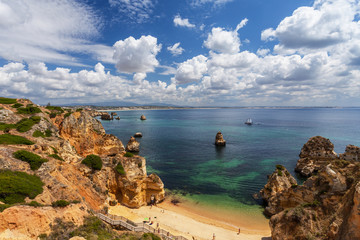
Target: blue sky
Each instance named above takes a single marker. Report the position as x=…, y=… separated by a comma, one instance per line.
x=191, y=52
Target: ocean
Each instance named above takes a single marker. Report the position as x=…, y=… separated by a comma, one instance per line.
x=179, y=146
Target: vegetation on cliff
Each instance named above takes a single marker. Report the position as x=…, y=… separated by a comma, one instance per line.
x=16, y=186
x=93, y=161
x=9, y=139
x=23, y=125
x=4, y=100
x=33, y=159
x=29, y=109
x=120, y=169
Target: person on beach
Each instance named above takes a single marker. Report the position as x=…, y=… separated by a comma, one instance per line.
x=213, y=236
x=238, y=232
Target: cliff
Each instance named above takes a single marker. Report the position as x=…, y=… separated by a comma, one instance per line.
x=61, y=139
x=326, y=205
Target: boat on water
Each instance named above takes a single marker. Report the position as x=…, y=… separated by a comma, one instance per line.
x=249, y=121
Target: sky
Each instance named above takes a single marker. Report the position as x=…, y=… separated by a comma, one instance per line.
x=230, y=53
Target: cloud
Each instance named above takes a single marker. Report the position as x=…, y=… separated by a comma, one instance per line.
x=215, y=2
x=191, y=70
x=136, y=55
x=262, y=52
x=175, y=49
x=178, y=21
x=138, y=11
x=224, y=41
x=325, y=24
x=33, y=30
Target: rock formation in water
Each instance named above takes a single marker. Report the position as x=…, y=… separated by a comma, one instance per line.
x=326, y=205
x=133, y=145
x=64, y=141
x=106, y=116
x=142, y=117
x=138, y=135
x=219, y=140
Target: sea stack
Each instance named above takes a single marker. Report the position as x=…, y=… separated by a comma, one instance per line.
x=138, y=135
x=219, y=140
x=143, y=117
x=132, y=145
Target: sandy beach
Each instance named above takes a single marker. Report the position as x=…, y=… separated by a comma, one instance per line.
x=187, y=220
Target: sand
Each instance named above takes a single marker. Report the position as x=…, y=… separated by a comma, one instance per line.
x=184, y=220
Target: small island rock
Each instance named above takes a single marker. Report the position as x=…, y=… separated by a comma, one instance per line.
x=138, y=135
x=219, y=140
x=133, y=145
x=143, y=117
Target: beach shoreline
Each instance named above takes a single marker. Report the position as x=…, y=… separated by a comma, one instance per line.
x=191, y=221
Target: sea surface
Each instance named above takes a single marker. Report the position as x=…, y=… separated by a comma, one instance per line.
x=179, y=146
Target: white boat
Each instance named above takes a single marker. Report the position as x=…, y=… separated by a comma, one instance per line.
x=249, y=121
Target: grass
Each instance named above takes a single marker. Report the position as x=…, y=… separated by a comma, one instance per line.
x=93, y=161
x=67, y=114
x=17, y=105
x=26, y=124
x=120, y=169
x=34, y=204
x=150, y=236
x=9, y=139
x=4, y=206
x=60, y=203
x=128, y=154
x=55, y=150
x=48, y=133
x=56, y=157
x=28, y=110
x=16, y=186
x=33, y=159
x=7, y=100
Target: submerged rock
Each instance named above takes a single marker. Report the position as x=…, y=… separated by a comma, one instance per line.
x=142, y=117
x=219, y=140
x=133, y=145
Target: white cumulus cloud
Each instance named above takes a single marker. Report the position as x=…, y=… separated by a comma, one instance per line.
x=175, y=49
x=136, y=55
x=191, y=70
x=224, y=41
x=178, y=21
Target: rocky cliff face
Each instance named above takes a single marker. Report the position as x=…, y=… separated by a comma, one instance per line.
x=72, y=138
x=325, y=206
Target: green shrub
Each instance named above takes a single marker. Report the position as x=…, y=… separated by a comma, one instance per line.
x=60, y=203
x=56, y=157
x=28, y=110
x=79, y=109
x=120, y=169
x=38, y=133
x=67, y=114
x=7, y=100
x=4, y=206
x=55, y=150
x=280, y=167
x=279, y=172
x=16, y=186
x=52, y=115
x=93, y=161
x=17, y=105
x=42, y=236
x=14, y=139
x=128, y=154
x=94, y=228
x=26, y=124
x=48, y=133
x=4, y=126
x=34, y=204
x=150, y=236
x=55, y=108
x=33, y=159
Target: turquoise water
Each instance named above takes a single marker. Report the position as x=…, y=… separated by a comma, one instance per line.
x=179, y=146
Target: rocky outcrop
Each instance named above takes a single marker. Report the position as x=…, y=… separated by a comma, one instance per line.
x=138, y=135
x=31, y=222
x=106, y=117
x=135, y=188
x=219, y=140
x=313, y=154
x=133, y=145
x=351, y=153
x=88, y=136
x=142, y=117
x=325, y=206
